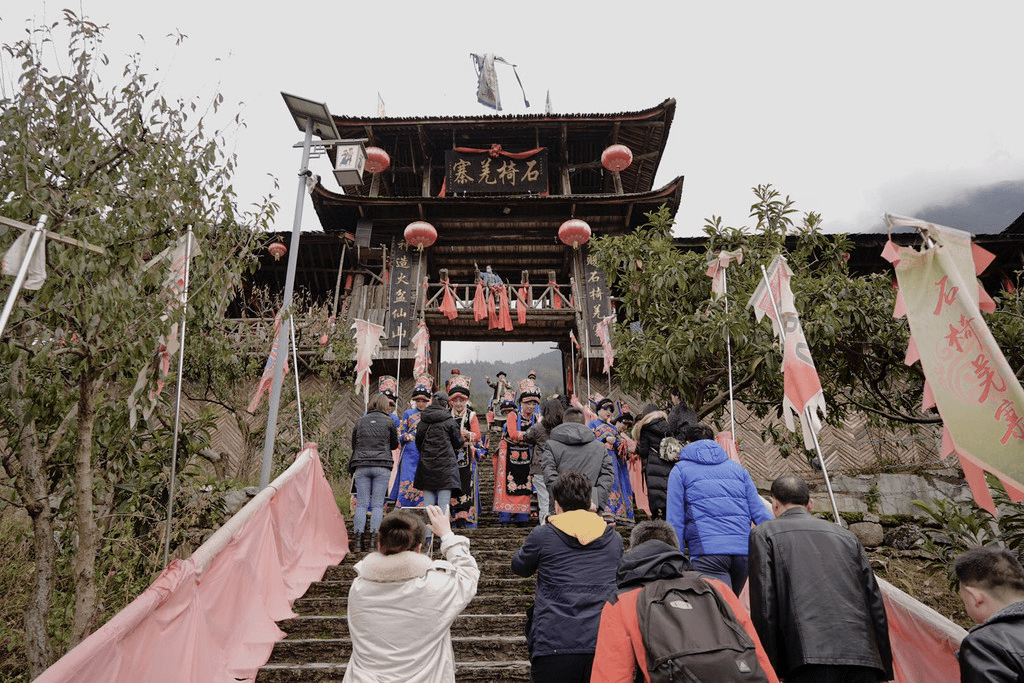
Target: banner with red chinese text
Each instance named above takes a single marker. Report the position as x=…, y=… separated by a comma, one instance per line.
x=967, y=378
x=802, y=394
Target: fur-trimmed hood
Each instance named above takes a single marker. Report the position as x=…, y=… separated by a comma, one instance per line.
x=403, y=566
x=647, y=419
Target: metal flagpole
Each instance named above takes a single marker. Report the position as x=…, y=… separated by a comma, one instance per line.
x=38, y=233
x=807, y=413
x=295, y=365
x=572, y=364
x=728, y=353
x=177, y=398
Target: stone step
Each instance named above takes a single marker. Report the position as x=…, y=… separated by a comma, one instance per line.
x=512, y=671
x=481, y=604
x=486, y=585
x=467, y=648
x=327, y=626
x=498, y=564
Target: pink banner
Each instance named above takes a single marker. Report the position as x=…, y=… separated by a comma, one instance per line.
x=979, y=398
x=211, y=618
x=803, y=395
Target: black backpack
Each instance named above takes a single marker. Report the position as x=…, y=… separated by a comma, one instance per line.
x=691, y=634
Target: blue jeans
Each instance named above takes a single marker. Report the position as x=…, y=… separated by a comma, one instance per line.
x=371, y=487
x=442, y=498
x=729, y=569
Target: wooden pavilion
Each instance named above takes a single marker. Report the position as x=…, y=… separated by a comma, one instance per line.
x=496, y=189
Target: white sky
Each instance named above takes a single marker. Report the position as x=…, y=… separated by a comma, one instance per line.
x=852, y=109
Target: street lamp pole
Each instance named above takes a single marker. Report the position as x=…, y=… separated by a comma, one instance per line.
x=282, y=330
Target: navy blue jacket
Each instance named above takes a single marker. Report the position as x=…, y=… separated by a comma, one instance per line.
x=574, y=579
x=711, y=501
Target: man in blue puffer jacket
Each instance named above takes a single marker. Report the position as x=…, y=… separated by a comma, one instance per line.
x=711, y=503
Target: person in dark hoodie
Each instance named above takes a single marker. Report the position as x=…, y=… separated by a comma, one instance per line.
x=653, y=555
x=648, y=432
x=573, y=446
x=438, y=438
x=575, y=556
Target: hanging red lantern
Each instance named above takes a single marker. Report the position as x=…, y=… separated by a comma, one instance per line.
x=617, y=158
x=574, y=232
x=377, y=160
x=277, y=250
x=420, y=234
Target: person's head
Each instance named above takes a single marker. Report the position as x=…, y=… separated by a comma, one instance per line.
x=420, y=401
x=990, y=579
x=528, y=404
x=551, y=413
x=400, y=531
x=696, y=432
x=378, y=402
x=605, y=408
x=501, y=375
x=572, y=490
x=675, y=396
x=574, y=414
x=653, y=530
x=441, y=400
x=459, y=402
x=790, y=491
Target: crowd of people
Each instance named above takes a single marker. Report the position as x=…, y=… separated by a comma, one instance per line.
x=816, y=611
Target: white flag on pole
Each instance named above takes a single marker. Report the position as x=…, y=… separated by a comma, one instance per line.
x=15, y=256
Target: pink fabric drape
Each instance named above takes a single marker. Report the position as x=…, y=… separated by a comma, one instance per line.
x=211, y=618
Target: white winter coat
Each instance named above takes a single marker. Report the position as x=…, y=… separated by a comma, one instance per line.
x=400, y=611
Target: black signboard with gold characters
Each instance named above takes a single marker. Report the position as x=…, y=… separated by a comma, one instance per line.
x=500, y=173
x=402, y=303
x=596, y=304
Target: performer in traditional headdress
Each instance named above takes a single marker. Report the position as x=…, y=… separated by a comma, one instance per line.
x=624, y=422
x=403, y=492
x=620, y=501
x=501, y=386
x=466, y=508
x=513, y=485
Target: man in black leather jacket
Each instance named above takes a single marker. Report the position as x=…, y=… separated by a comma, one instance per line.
x=813, y=597
x=992, y=588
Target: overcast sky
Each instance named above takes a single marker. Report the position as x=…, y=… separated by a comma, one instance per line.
x=852, y=109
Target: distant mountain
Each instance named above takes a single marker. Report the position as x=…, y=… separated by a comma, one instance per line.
x=548, y=367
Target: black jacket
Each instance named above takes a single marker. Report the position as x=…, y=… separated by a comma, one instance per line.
x=652, y=428
x=374, y=436
x=813, y=596
x=994, y=650
x=437, y=439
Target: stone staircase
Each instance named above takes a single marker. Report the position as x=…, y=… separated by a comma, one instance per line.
x=488, y=637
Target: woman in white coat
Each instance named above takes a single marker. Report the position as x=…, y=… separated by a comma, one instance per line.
x=402, y=604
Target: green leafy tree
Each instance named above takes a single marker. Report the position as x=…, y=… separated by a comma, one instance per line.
x=114, y=163
x=856, y=344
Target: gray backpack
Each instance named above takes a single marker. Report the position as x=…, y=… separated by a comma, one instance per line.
x=691, y=635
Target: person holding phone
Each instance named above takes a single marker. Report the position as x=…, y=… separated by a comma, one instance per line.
x=402, y=604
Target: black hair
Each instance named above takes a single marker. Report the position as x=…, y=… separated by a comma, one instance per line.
x=791, y=490
x=552, y=412
x=653, y=530
x=990, y=568
x=574, y=414
x=697, y=432
x=401, y=531
x=572, y=490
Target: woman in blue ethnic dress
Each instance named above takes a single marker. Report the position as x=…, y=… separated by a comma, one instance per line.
x=466, y=508
x=620, y=499
x=403, y=492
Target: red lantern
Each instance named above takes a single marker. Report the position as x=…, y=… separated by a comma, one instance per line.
x=420, y=234
x=574, y=232
x=377, y=160
x=617, y=158
x=277, y=250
